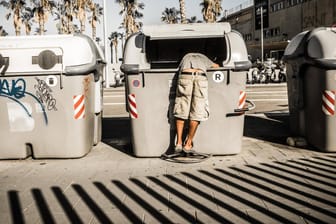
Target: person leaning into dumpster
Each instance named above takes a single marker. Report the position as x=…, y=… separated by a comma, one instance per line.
x=191, y=101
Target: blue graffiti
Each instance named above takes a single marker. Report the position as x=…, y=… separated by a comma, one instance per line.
x=17, y=91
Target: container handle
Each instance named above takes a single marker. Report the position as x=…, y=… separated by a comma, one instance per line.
x=241, y=111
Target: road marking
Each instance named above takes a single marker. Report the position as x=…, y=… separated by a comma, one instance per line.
x=114, y=96
x=108, y=104
x=266, y=96
x=267, y=92
x=261, y=100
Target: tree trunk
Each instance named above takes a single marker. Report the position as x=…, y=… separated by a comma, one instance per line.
x=17, y=22
x=116, y=51
x=182, y=9
x=208, y=13
x=111, y=46
x=28, y=28
x=82, y=17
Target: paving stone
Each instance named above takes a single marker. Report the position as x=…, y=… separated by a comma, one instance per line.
x=267, y=182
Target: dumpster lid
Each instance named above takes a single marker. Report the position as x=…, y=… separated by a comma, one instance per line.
x=68, y=54
x=192, y=30
x=321, y=43
x=295, y=47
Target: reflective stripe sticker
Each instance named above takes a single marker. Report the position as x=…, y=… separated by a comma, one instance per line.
x=328, y=102
x=132, y=106
x=79, y=106
x=242, y=99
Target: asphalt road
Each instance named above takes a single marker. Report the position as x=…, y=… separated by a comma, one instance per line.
x=114, y=102
x=268, y=98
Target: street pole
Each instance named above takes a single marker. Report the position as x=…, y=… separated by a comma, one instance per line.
x=106, y=78
x=262, y=34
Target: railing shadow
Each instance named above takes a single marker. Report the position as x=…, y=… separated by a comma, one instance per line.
x=15, y=206
x=42, y=206
x=92, y=204
x=66, y=205
x=275, y=192
x=131, y=216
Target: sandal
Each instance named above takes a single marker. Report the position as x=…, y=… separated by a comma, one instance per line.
x=188, y=150
x=178, y=148
x=191, y=150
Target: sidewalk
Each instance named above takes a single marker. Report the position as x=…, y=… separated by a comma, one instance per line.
x=268, y=182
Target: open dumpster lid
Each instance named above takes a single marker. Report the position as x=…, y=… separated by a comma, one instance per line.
x=193, y=30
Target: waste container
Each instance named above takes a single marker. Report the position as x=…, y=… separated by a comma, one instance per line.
x=311, y=69
x=50, y=96
x=150, y=63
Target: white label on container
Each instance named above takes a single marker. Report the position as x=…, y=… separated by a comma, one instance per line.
x=20, y=118
x=51, y=80
x=218, y=76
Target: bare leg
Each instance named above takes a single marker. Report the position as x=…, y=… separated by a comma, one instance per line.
x=192, y=131
x=179, y=131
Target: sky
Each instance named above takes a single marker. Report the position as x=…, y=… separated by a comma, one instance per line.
x=152, y=14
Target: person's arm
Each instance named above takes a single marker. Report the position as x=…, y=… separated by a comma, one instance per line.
x=214, y=65
x=211, y=64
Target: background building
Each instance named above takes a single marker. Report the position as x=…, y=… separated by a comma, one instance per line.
x=282, y=20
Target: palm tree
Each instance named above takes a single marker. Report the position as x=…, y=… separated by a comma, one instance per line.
x=97, y=11
x=81, y=7
x=182, y=11
x=130, y=11
x=64, y=15
x=42, y=9
x=114, y=43
x=27, y=16
x=170, y=15
x=218, y=8
x=122, y=38
x=211, y=9
x=16, y=7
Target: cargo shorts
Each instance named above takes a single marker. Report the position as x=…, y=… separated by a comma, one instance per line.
x=192, y=98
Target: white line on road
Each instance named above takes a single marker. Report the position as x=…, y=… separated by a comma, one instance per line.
x=113, y=96
x=266, y=100
x=109, y=104
x=266, y=92
x=266, y=96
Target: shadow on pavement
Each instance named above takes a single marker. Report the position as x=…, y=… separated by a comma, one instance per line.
x=271, y=127
x=294, y=191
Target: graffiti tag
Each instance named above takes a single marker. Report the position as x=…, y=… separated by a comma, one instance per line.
x=44, y=94
x=17, y=88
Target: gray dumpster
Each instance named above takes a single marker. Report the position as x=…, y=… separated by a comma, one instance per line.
x=311, y=69
x=151, y=60
x=50, y=96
